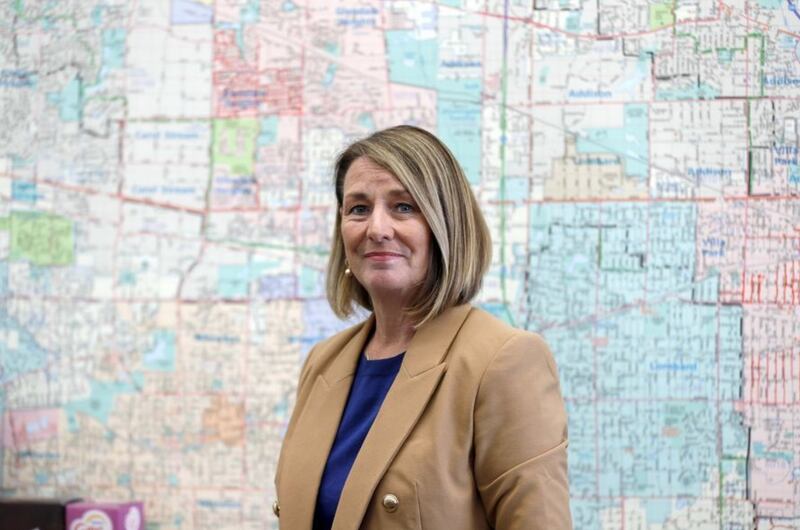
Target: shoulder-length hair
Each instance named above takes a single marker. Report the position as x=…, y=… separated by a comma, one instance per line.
x=461, y=243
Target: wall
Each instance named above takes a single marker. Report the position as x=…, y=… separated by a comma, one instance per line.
x=166, y=212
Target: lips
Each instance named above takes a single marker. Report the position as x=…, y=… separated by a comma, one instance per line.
x=382, y=256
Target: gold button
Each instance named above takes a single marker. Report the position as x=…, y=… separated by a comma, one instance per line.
x=390, y=502
x=276, y=508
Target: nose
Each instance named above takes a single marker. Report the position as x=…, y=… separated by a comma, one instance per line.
x=380, y=226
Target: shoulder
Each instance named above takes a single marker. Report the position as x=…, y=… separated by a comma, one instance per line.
x=481, y=322
x=485, y=339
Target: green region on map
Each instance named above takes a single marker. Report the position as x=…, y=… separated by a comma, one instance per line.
x=42, y=239
x=235, y=144
x=662, y=15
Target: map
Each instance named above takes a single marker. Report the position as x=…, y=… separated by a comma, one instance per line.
x=166, y=207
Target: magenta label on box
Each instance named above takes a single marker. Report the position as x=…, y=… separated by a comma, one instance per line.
x=105, y=516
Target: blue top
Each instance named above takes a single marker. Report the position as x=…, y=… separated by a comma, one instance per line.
x=370, y=386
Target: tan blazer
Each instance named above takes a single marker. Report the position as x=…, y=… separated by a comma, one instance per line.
x=472, y=434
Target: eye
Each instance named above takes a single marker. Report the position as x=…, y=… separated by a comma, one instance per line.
x=358, y=209
x=404, y=207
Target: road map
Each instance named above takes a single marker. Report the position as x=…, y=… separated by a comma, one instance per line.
x=166, y=207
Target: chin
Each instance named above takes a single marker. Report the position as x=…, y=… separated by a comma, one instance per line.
x=386, y=284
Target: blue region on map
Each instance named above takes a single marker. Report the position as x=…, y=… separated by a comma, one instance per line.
x=655, y=449
x=330, y=75
x=412, y=61
x=586, y=513
x=459, y=120
x=631, y=253
x=312, y=283
x=18, y=79
x=161, y=356
x=583, y=467
x=277, y=286
x=190, y=12
x=114, y=40
x=233, y=281
x=23, y=191
x=3, y=278
x=515, y=188
x=691, y=92
x=794, y=175
x=415, y=62
x=268, y=131
x=629, y=142
x=250, y=12
x=69, y=101
x=114, y=47
x=20, y=353
x=670, y=263
x=662, y=359
x=367, y=121
x=650, y=449
x=100, y=402
x=666, y=353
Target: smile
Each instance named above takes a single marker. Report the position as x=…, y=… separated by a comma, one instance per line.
x=382, y=256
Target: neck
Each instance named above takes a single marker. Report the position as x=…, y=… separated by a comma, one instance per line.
x=393, y=331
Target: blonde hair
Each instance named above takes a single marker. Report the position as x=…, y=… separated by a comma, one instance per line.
x=461, y=244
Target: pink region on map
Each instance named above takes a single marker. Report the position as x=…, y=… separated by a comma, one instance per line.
x=25, y=426
x=240, y=90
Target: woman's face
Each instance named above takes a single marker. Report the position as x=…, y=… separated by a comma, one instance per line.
x=387, y=240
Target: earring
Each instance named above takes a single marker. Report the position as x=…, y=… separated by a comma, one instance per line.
x=347, y=271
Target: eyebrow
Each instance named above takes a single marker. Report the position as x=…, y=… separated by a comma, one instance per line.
x=361, y=196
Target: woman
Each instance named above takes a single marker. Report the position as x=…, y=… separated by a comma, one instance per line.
x=431, y=413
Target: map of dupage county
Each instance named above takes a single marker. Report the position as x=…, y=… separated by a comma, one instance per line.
x=166, y=209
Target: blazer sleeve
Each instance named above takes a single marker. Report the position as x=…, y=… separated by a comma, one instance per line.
x=520, y=437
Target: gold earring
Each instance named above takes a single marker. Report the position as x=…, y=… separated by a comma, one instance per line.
x=347, y=271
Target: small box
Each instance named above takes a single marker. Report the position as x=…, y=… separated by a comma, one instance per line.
x=91, y=515
x=25, y=514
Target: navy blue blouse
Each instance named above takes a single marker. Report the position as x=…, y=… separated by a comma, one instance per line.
x=370, y=386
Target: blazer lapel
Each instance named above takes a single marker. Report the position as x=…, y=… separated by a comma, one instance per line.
x=315, y=431
x=419, y=375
